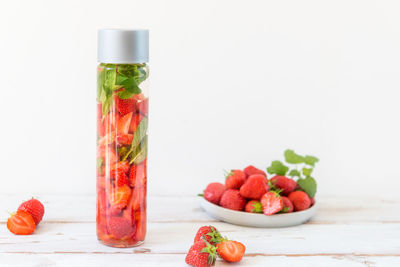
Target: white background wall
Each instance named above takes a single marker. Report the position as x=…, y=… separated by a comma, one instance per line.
x=232, y=83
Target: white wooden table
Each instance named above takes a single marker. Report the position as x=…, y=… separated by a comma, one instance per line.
x=345, y=232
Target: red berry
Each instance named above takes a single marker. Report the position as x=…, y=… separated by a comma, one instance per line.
x=254, y=187
x=271, y=202
x=210, y=233
x=120, y=227
x=231, y=199
x=125, y=106
x=235, y=179
x=312, y=200
x=253, y=206
x=300, y=200
x=251, y=170
x=123, y=123
x=35, y=208
x=201, y=254
x=287, y=185
x=213, y=192
x=287, y=205
x=21, y=223
x=231, y=251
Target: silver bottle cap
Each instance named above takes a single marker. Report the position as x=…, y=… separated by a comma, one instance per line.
x=123, y=46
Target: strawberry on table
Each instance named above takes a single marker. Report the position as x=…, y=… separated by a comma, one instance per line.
x=214, y=192
x=231, y=199
x=301, y=201
x=201, y=254
x=271, y=202
x=231, y=251
x=253, y=206
x=235, y=179
x=35, y=208
x=287, y=185
x=287, y=205
x=210, y=233
x=255, y=187
x=21, y=223
x=251, y=170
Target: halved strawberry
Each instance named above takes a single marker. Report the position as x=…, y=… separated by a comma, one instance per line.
x=119, y=196
x=124, y=139
x=124, y=123
x=231, y=251
x=136, y=118
x=138, y=175
x=271, y=202
x=120, y=166
x=21, y=223
x=120, y=227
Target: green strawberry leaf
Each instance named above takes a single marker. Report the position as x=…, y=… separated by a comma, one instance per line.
x=309, y=185
x=307, y=171
x=292, y=157
x=310, y=160
x=294, y=173
x=257, y=207
x=278, y=168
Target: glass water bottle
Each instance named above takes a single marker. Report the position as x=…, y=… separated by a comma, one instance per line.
x=122, y=119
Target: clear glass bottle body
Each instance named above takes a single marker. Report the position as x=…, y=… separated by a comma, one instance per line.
x=122, y=119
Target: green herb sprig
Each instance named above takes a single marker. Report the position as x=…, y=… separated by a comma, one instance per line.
x=304, y=163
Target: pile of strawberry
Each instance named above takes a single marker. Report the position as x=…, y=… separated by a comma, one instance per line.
x=250, y=189
x=27, y=217
x=208, y=244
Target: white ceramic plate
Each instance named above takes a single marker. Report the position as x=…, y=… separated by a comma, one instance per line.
x=256, y=219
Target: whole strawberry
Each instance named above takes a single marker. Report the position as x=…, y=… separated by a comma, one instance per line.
x=251, y=170
x=232, y=199
x=35, y=208
x=287, y=205
x=210, y=233
x=287, y=185
x=301, y=201
x=253, y=206
x=214, y=192
x=255, y=187
x=271, y=202
x=235, y=179
x=201, y=254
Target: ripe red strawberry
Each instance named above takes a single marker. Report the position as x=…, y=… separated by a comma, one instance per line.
x=136, y=118
x=232, y=199
x=235, y=179
x=121, y=179
x=287, y=185
x=122, y=166
x=138, y=175
x=142, y=104
x=255, y=187
x=119, y=196
x=21, y=223
x=35, y=208
x=300, y=200
x=271, y=202
x=251, y=170
x=312, y=201
x=120, y=227
x=231, y=251
x=253, y=206
x=213, y=192
x=210, y=233
x=287, y=205
x=201, y=254
x=124, y=123
x=124, y=106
